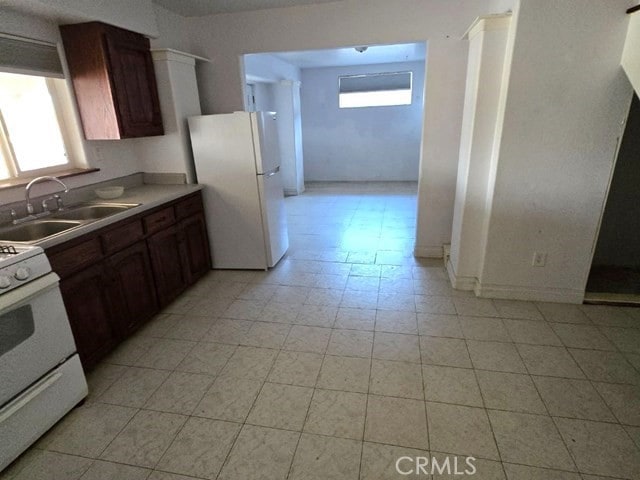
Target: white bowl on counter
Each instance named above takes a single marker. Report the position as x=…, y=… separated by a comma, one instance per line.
x=109, y=193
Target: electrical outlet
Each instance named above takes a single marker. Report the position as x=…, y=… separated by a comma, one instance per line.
x=539, y=259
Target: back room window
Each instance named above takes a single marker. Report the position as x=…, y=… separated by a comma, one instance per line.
x=374, y=90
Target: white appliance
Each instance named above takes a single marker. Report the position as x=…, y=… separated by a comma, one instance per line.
x=41, y=377
x=237, y=159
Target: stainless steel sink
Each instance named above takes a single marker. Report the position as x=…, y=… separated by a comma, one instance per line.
x=93, y=211
x=33, y=231
x=36, y=230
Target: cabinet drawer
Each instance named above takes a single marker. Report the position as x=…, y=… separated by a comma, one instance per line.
x=121, y=237
x=159, y=220
x=75, y=258
x=188, y=207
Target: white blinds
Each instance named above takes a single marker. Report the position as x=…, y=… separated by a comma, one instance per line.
x=31, y=57
x=375, y=82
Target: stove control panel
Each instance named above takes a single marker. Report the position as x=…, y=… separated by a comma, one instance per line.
x=17, y=270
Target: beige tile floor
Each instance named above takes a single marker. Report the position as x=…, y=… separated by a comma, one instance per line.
x=347, y=356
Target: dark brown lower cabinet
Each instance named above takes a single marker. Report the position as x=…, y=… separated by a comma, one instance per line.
x=195, y=247
x=179, y=257
x=90, y=310
x=132, y=287
x=168, y=267
x=115, y=279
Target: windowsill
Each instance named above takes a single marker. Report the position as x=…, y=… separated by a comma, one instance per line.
x=23, y=181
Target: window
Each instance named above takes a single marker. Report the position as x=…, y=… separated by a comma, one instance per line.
x=31, y=140
x=34, y=101
x=375, y=90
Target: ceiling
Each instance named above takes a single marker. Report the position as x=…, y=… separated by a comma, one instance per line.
x=339, y=57
x=343, y=57
x=198, y=8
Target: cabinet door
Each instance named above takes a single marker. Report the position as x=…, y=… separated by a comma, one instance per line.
x=89, y=308
x=114, y=81
x=131, y=272
x=167, y=264
x=195, y=247
x=134, y=82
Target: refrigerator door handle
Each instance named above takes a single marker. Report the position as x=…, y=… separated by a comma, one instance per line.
x=270, y=173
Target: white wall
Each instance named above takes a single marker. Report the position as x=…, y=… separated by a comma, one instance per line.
x=179, y=99
x=360, y=144
x=224, y=38
x=268, y=68
x=280, y=93
x=444, y=96
x=173, y=30
x=288, y=106
x=566, y=98
x=631, y=53
x=264, y=97
x=487, y=54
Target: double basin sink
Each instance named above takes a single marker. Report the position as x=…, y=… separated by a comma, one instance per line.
x=36, y=230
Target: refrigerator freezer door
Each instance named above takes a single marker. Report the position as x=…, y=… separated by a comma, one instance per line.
x=265, y=134
x=224, y=157
x=274, y=216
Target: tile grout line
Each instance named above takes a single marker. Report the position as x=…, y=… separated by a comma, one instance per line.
x=424, y=393
x=295, y=451
x=244, y=422
x=179, y=431
x=366, y=405
x=484, y=406
x=557, y=429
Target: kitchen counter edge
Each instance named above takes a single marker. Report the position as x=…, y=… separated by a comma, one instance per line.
x=148, y=196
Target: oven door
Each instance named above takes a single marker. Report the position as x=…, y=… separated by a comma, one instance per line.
x=35, y=335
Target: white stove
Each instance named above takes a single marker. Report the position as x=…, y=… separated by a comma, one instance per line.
x=41, y=377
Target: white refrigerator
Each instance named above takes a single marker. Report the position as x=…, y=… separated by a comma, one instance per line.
x=237, y=159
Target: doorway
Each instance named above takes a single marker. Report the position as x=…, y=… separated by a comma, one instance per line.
x=615, y=270
x=351, y=147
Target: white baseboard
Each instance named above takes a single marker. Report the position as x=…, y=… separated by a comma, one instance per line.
x=460, y=282
x=507, y=292
x=428, y=252
x=612, y=298
x=514, y=292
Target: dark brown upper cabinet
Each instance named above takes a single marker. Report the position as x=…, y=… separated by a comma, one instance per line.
x=114, y=81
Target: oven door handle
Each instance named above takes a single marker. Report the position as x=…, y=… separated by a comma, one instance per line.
x=28, y=396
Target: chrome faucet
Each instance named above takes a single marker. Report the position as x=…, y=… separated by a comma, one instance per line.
x=30, y=209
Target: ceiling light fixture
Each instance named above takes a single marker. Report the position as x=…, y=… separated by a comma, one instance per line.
x=361, y=49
